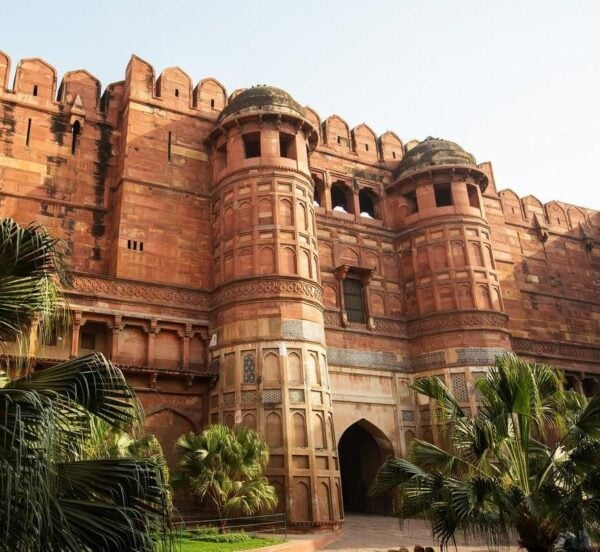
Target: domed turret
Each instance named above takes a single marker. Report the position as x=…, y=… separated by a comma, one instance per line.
x=435, y=153
x=263, y=98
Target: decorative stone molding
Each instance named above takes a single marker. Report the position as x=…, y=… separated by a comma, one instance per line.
x=332, y=318
x=268, y=288
x=452, y=321
x=387, y=326
x=478, y=356
x=555, y=350
x=134, y=290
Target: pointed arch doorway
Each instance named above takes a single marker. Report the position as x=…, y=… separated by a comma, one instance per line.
x=362, y=449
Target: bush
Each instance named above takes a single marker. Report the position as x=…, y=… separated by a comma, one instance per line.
x=213, y=536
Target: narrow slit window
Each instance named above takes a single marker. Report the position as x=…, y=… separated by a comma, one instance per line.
x=212, y=104
x=128, y=244
x=393, y=155
x=35, y=89
x=443, y=195
x=339, y=139
x=28, y=132
x=366, y=147
x=134, y=245
x=141, y=246
x=354, y=299
x=252, y=144
x=169, y=146
x=75, y=132
x=177, y=92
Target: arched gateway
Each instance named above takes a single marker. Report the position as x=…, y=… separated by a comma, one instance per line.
x=362, y=448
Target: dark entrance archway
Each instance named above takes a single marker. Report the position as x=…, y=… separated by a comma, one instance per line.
x=362, y=449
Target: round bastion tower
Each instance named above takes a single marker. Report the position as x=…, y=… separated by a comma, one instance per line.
x=451, y=285
x=268, y=314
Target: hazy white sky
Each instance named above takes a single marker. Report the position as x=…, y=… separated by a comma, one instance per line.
x=517, y=83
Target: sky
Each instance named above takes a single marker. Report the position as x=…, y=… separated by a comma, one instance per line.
x=514, y=82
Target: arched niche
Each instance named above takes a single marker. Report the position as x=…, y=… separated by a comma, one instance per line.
x=362, y=449
x=168, y=424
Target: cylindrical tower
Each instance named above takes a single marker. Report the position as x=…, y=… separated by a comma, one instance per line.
x=268, y=312
x=451, y=284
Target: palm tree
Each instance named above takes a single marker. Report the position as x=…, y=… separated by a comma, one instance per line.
x=225, y=467
x=527, y=463
x=53, y=495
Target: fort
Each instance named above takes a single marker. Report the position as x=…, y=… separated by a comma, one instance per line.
x=246, y=262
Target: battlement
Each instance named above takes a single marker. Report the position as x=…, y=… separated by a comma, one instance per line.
x=79, y=96
x=552, y=216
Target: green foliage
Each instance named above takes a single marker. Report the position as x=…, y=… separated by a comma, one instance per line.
x=526, y=463
x=189, y=545
x=222, y=537
x=225, y=468
x=54, y=495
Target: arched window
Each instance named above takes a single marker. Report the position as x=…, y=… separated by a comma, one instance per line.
x=354, y=300
x=341, y=198
x=319, y=192
x=75, y=132
x=367, y=201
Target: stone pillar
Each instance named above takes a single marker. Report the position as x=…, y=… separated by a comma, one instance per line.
x=75, y=333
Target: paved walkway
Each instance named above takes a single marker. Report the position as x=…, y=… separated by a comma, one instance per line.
x=362, y=533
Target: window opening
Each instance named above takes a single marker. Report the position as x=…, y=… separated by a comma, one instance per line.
x=341, y=198
x=28, y=132
x=169, y=146
x=339, y=139
x=393, y=155
x=474, y=196
x=412, y=203
x=252, y=144
x=318, y=195
x=141, y=246
x=177, y=92
x=128, y=244
x=212, y=103
x=35, y=89
x=443, y=195
x=366, y=202
x=222, y=157
x=354, y=299
x=88, y=340
x=366, y=147
x=75, y=131
x=286, y=145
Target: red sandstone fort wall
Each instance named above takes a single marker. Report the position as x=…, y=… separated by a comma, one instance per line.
x=126, y=177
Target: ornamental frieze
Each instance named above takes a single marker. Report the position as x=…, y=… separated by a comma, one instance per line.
x=457, y=322
x=563, y=350
x=262, y=288
x=132, y=290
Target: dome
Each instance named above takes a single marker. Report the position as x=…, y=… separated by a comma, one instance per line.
x=433, y=152
x=263, y=97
